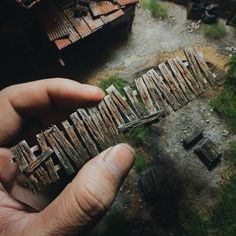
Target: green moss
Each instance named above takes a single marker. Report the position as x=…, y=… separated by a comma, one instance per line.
x=225, y=103
x=157, y=9
x=233, y=152
x=194, y=222
x=215, y=31
x=141, y=163
x=117, y=81
x=224, y=213
x=139, y=135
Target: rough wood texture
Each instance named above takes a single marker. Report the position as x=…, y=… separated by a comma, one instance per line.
x=172, y=84
x=196, y=70
x=94, y=129
x=114, y=111
x=75, y=140
x=90, y=145
x=121, y=103
x=166, y=92
x=203, y=65
x=143, y=91
x=184, y=86
x=62, y=157
x=192, y=84
x=134, y=101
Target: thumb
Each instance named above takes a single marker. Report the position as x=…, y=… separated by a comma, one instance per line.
x=88, y=196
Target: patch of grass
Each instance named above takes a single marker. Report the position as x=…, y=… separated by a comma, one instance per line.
x=224, y=213
x=139, y=135
x=194, y=222
x=233, y=152
x=141, y=163
x=157, y=9
x=117, y=81
x=225, y=103
x=215, y=31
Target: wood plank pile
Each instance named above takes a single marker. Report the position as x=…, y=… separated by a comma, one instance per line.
x=63, y=151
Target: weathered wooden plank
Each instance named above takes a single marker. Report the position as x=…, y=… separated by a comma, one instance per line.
x=121, y=104
x=193, y=85
x=145, y=96
x=188, y=93
x=43, y=176
x=156, y=94
x=196, y=70
x=36, y=163
x=143, y=120
x=62, y=157
x=134, y=101
x=100, y=125
x=67, y=147
x=167, y=75
x=95, y=133
x=51, y=170
x=166, y=92
x=32, y=183
x=75, y=140
x=19, y=157
x=114, y=111
x=88, y=142
x=107, y=117
x=29, y=155
x=42, y=141
x=203, y=65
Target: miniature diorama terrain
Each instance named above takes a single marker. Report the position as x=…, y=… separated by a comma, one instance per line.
x=170, y=88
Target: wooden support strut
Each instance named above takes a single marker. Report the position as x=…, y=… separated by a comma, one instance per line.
x=170, y=80
x=88, y=142
x=143, y=91
x=188, y=93
x=165, y=90
x=121, y=104
x=203, y=65
x=192, y=84
x=196, y=70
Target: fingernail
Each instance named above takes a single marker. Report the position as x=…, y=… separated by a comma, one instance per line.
x=93, y=89
x=120, y=159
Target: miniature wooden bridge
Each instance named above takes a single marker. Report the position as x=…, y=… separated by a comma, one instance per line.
x=91, y=130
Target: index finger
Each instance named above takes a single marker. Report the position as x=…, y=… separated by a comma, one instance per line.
x=34, y=98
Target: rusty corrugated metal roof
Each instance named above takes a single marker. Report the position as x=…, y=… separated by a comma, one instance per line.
x=62, y=43
x=93, y=23
x=126, y=2
x=63, y=28
x=102, y=7
x=78, y=23
x=108, y=18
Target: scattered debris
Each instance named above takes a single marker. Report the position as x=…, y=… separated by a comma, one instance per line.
x=208, y=153
x=194, y=138
x=194, y=26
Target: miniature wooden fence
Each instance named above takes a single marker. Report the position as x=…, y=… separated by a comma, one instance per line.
x=90, y=131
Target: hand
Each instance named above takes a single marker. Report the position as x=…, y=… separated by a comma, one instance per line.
x=34, y=106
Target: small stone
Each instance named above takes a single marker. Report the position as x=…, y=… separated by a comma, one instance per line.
x=207, y=121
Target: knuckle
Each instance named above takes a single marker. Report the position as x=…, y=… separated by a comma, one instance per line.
x=90, y=204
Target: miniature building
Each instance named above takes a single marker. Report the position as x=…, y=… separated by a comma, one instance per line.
x=71, y=23
x=208, y=153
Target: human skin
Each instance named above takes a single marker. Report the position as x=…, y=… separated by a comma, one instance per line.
x=27, y=108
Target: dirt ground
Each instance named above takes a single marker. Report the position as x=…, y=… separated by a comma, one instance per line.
x=151, y=42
